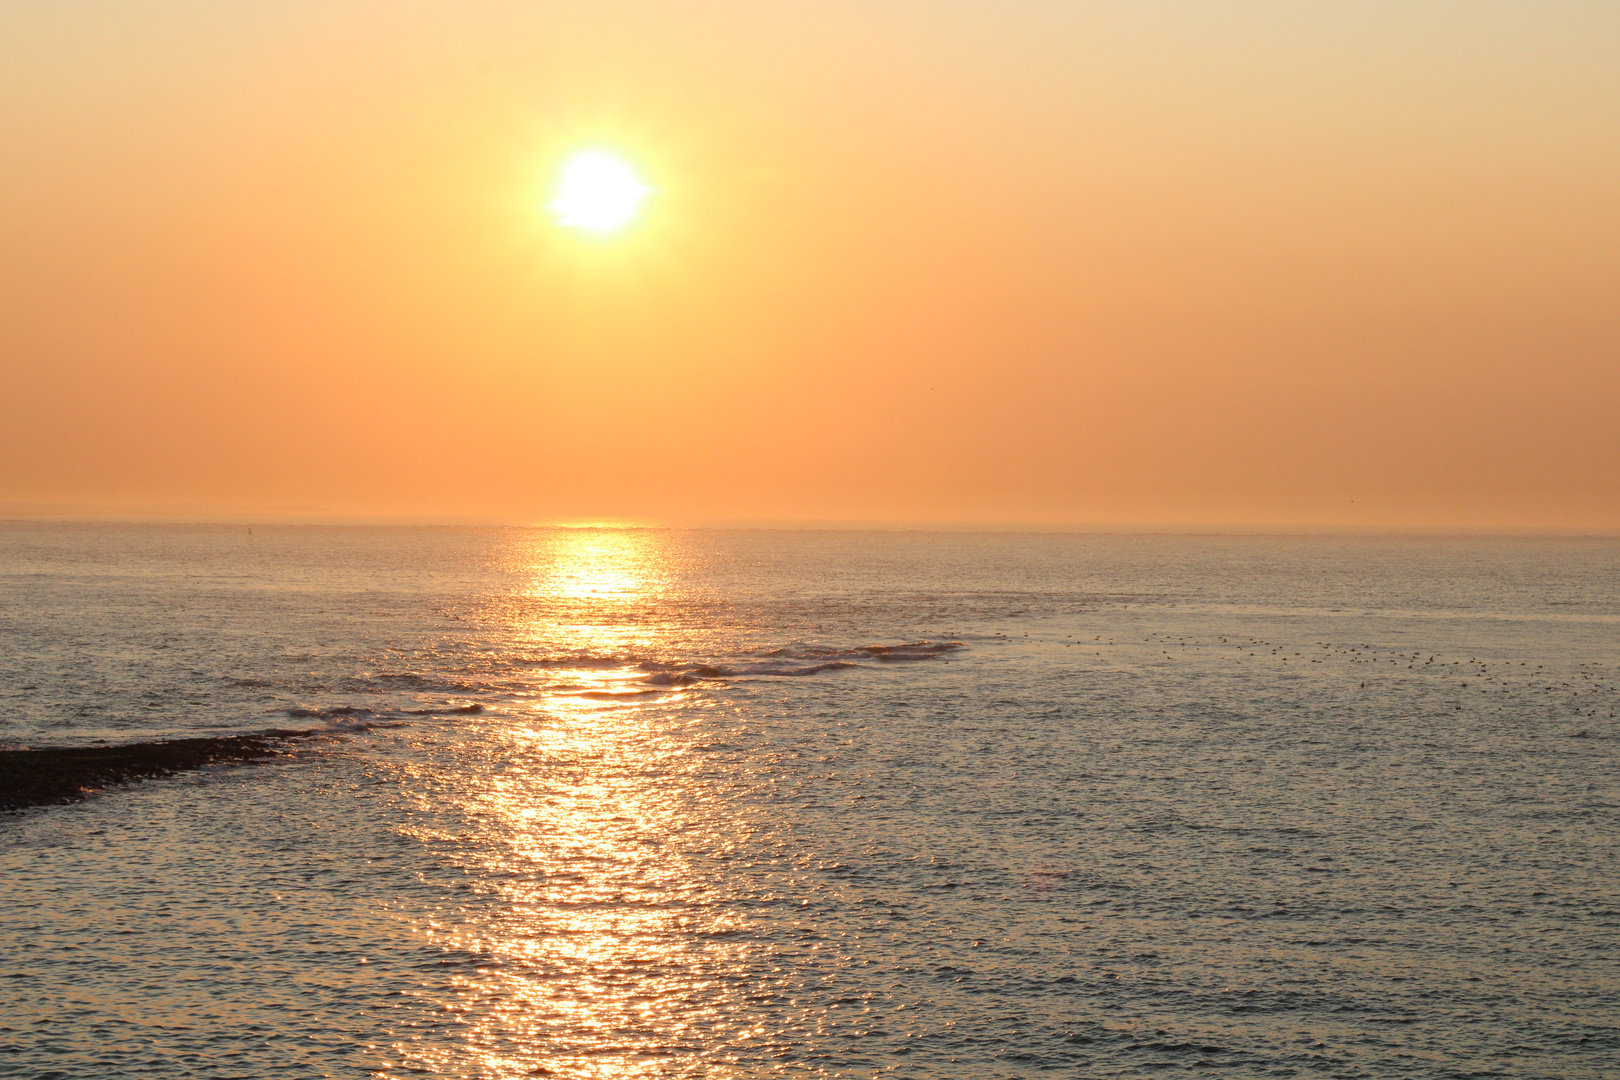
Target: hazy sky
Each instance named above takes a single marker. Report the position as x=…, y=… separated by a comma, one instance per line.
x=1311, y=264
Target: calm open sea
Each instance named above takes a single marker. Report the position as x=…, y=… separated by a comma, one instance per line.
x=640, y=803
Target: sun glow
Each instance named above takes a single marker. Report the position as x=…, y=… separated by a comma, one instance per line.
x=597, y=192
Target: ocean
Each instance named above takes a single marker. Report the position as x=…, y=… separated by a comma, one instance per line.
x=641, y=803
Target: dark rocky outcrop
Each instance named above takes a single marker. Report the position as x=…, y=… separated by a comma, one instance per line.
x=42, y=775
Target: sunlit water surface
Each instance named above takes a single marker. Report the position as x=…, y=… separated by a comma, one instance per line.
x=637, y=804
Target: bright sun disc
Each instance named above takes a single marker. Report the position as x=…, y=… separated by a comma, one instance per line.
x=597, y=192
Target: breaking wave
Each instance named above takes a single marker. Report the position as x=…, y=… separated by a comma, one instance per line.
x=605, y=678
x=359, y=717
x=793, y=661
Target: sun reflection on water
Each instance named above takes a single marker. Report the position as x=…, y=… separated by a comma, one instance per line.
x=584, y=564
x=597, y=596
x=601, y=949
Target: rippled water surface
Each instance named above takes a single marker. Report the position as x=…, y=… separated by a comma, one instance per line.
x=598, y=803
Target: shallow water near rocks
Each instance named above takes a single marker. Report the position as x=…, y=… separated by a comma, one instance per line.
x=643, y=803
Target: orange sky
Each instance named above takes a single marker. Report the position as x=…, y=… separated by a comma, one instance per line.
x=1302, y=264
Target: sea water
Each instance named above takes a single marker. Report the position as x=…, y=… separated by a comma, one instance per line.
x=647, y=803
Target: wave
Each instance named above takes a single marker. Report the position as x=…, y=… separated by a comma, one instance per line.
x=360, y=717
x=679, y=678
x=337, y=712
x=917, y=650
x=794, y=661
x=575, y=661
x=637, y=677
x=913, y=650
x=767, y=668
x=614, y=695
x=405, y=681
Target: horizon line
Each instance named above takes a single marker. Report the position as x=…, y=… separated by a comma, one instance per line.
x=307, y=519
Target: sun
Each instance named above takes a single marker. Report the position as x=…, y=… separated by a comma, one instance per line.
x=597, y=193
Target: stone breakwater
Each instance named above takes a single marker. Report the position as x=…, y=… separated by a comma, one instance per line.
x=41, y=775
